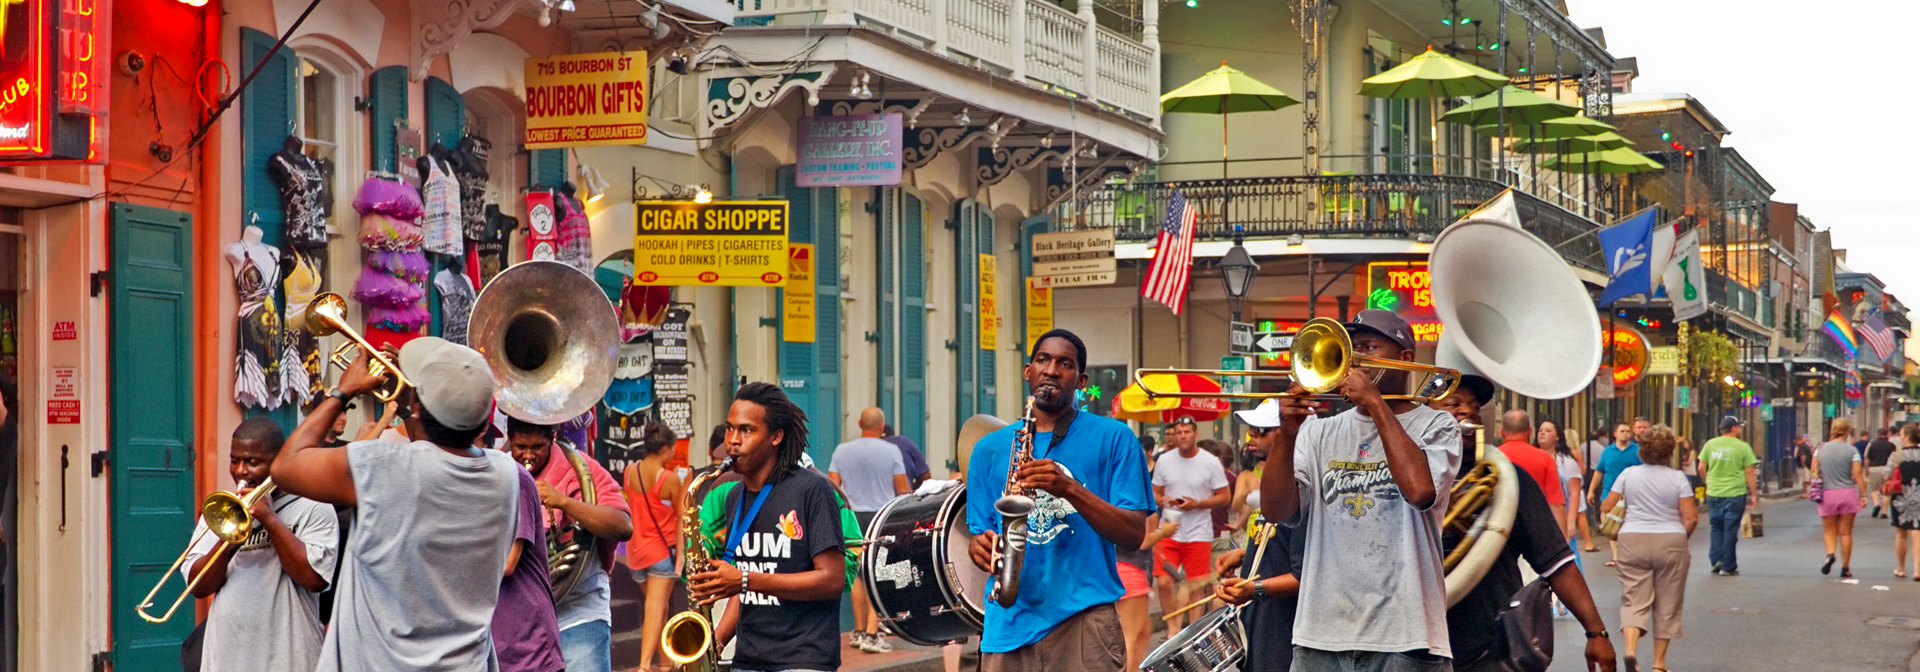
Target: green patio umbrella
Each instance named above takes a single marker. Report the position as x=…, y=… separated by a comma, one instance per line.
x=1224, y=91
x=1621, y=161
x=1432, y=75
x=1524, y=108
x=1602, y=141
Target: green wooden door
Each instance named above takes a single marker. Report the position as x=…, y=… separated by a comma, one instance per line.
x=150, y=434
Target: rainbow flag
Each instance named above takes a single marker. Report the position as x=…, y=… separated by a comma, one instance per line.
x=1842, y=333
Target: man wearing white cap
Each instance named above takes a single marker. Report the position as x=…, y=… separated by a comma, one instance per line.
x=1267, y=601
x=434, y=519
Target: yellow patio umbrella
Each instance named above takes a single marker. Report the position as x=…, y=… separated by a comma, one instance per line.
x=1133, y=403
x=1224, y=91
x=1432, y=75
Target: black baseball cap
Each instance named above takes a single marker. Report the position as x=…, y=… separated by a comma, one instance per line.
x=1385, y=323
x=1480, y=387
x=1730, y=422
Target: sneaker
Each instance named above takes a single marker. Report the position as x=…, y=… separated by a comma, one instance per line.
x=1716, y=569
x=878, y=643
x=859, y=640
x=1876, y=511
x=1730, y=572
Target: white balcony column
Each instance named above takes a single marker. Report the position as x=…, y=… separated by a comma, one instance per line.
x=1150, y=36
x=1091, y=76
x=1017, y=38
x=937, y=10
x=839, y=13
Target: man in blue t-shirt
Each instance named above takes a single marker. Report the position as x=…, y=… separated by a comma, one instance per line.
x=1625, y=452
x=1088, y=479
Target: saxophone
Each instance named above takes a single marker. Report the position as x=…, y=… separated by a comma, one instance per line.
x=1014, y=506
x=687, y=638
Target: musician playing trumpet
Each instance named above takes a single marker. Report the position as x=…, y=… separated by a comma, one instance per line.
x=1088, y=479
x=1367, y=487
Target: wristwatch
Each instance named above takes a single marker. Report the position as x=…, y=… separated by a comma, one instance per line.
x=1259, y=590
x=337, y=393
x=1596, y=634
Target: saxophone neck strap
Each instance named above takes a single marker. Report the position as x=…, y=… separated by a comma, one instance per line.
x=1060, y=429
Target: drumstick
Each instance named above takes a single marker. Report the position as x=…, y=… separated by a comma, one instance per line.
x=1266, y=534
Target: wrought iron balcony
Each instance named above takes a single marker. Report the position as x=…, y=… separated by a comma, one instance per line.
x=1351, y=206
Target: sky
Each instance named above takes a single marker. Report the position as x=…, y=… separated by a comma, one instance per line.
x=1820, y=97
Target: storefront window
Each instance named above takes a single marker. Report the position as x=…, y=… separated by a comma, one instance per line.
x=318, y=120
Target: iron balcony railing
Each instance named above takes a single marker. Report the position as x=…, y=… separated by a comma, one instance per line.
x=1355, y=206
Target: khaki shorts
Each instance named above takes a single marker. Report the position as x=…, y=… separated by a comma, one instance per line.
x=1089, y=641
x=1876, y=477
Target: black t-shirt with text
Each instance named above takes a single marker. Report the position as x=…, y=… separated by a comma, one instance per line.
x=1269, y=621
x=1536, y=537
x=800, y=519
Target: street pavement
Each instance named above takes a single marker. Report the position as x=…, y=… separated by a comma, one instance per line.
x=1780, y=613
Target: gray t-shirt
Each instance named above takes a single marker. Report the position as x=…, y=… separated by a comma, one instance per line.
x=866, y=467
x=422, y=572
x=1371, y=578
x=590, y=600
x=261, y=619
x=1836, y=464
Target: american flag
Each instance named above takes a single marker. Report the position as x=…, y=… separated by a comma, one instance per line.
x=1875, y=332
x=1172, y=267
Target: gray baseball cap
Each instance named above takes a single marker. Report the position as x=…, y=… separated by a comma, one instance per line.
x=1385, y=323
x=452, y=381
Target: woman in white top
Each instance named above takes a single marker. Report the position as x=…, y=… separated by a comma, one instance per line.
x=1549, y=439
x=1653, y=556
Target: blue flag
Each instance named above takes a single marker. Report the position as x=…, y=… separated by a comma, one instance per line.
x=1627, y=246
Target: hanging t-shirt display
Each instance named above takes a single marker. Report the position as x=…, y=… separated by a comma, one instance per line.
x=456, y=303
x=300, y=183
x=470, y=169
x=441, y=196
x=575, y=233
x=257, y=381
x=491, y=248
x=300, y=363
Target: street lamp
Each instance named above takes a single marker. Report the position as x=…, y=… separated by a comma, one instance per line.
x=1237, y=270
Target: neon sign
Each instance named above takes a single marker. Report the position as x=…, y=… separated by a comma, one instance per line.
x=53, y=80
x=1406, y=288
x=1630, y=354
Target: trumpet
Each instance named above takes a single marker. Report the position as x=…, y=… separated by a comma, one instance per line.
x=227, y=517
x=1322, y=354
x=326, y=316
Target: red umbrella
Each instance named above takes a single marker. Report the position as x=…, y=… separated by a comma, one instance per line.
x=1133, y=404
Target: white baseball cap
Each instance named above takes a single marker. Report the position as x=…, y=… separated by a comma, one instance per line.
x=452, y=381
x=1264, y=416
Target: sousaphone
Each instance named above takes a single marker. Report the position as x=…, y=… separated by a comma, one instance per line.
x=1517, y=315
x=552, y=339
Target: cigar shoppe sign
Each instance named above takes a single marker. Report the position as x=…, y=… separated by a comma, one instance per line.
x=53, y=80
x=581, y=100
x=723, y=243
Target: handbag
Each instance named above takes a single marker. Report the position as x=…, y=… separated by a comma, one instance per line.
x=1611, y=521
x=1815, y=489
x=1526, y=628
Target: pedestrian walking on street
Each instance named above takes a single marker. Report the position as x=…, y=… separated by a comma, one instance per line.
x=1727, y=464
x=1878, y=450
x=1623, y=454
x=872, y=472
x=1549, y=438
x=1904, y=501
x=1843, y=493
x=1652, y=556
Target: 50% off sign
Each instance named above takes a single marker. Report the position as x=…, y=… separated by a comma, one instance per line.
x=723, y=243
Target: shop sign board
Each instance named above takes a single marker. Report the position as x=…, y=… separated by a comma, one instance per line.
x=1039, y=311
x=722, y=243
x=1683, y=397
x=1766, y=413
x=1406, y=288
x=989, y=303
x=63, y=406
x=849, y=150
x=670, y=339
x=583, y=100
x=1630, y=354
x=53, y=81
x=1074, y=258
x=796, y=304
x=1664, y=361
x=543, y=227
x=1603, y=383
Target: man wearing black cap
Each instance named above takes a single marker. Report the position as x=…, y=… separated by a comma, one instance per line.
x=1372, y=482
x=1731, y=490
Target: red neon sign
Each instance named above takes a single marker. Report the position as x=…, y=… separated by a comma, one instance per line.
x=53, y=90
x=1630, y=354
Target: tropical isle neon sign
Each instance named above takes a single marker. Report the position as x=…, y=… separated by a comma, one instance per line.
x=53, y=79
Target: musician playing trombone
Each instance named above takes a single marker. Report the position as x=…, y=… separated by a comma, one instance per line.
x=1367, y=487
x=1088, y=479
x=266, y=611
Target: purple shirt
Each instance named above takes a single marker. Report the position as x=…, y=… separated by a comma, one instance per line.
x=526, y=634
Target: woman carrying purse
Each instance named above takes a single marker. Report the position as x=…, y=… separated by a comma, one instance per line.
x=1660, y=515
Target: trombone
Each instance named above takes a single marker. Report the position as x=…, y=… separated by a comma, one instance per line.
x=227, y=517
x=1322, y=353
x=326, y=316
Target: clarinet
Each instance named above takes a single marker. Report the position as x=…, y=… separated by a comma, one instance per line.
x=1014, y=506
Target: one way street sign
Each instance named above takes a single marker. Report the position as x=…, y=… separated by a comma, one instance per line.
x=1266, y=342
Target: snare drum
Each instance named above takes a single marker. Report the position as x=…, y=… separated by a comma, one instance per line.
x=1215, y=643
x=916, y=570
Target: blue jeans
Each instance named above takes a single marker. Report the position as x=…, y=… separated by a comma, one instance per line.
x=588, y=647
x=1724, y=515
x=1315, y=660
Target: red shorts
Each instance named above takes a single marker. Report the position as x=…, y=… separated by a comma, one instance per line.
x=1134, y=580
x=1195, y=556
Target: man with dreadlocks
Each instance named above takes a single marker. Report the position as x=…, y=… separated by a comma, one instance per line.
x=776, y=541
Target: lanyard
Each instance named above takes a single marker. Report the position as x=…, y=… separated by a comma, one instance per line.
x=739, y=531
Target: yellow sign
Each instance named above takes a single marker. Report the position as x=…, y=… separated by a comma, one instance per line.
x=797, y=306
x=1665, y=361
x=989, y=306
x=1039, y=311
x=580, y=100
x=723, y=243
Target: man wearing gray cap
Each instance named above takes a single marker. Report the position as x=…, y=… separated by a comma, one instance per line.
x=1367, y=488
x=434, y=519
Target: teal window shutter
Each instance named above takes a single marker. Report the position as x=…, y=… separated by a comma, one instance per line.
x=446, y=113
x=913, y=320
x=797, y=360
x=266, y=110
x=826, y=302
x=387, y=103
x=966, y=316
x=889, y=251
x=983, y=390
x=546, y=168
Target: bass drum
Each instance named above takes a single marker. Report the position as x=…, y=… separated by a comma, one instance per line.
x=916, y=570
